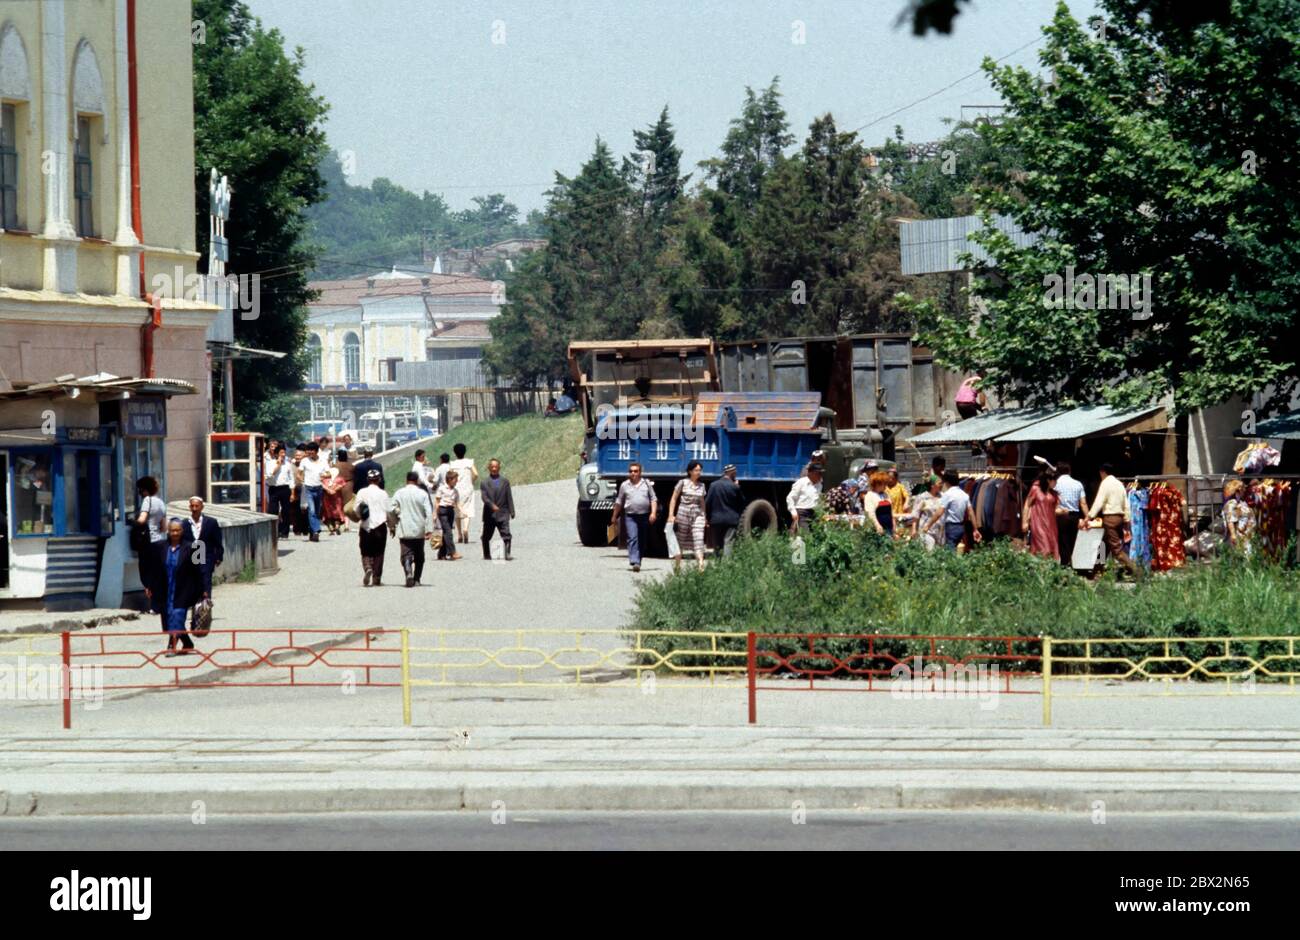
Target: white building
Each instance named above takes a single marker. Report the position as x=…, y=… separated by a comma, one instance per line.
x=360, y=328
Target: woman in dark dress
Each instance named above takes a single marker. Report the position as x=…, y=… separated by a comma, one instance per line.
x=174, y=584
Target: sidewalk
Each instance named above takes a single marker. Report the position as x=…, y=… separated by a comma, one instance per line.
x=41, y=621
x=631, y=767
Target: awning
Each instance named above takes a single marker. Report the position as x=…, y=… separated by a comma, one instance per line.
x=1087, y=421
x=1284, y=427
x=100, y=384
x=984, y=427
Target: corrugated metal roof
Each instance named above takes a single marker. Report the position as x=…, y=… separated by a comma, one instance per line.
x=1078, y=422
x=934, y=245
x=984, y=427
x=1284, y=427
x=760, y=411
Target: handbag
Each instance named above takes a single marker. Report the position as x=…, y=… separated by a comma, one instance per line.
x=673, y=548
x=350, y=510
x=201, y=620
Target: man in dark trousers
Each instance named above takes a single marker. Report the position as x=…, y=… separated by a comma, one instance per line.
x=498, y=508
x=362, y=470
x=723, y=504
x=201, y=536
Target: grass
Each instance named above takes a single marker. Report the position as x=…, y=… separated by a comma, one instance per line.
x=856, y=582
x=248, y=574
x=532, y=449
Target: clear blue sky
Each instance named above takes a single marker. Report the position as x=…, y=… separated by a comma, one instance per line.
x=421, y=94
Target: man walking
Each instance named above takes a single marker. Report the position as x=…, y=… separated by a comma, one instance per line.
x=1111, y=504
x=368, y=463
x=498, y=508
x=723, y=504
x=1069, y=512
x=954, y=512
x=803, y=498
x=313, y=468
x=372, y=506
x=279, y=484
x=414, y=523
x=420, y=466
x=637, y=501
x=202, y=545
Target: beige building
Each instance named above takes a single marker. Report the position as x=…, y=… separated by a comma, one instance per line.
x=361, y=329
x=103, y=367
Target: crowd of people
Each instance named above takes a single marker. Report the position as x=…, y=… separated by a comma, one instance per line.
x=938, y=512
x=320, y=488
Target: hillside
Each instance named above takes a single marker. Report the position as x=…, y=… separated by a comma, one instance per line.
x=532, y=449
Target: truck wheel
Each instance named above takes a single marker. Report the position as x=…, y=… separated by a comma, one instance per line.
x=758, y=517
x=593, y=527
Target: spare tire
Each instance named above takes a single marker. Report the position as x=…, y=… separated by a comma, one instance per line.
x=758, y=517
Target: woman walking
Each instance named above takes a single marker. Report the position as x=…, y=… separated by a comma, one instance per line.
x=686, y=515
x=173, y=584
x=1040, y=517
x=332, y=513
x=445, y=499
x=466, y=482
x=153, y=511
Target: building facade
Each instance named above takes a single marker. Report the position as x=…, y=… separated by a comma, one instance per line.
x=104, y=374
x=360, y=329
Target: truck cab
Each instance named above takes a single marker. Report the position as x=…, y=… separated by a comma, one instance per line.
x=608, y=375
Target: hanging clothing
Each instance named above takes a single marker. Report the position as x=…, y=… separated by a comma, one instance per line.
x=1140, y=548
x=1165, y=507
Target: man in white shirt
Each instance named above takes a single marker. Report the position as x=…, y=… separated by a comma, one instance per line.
x=804, y=496
x=414, y=514
x=313, y=467
x=372, y=505
x=955, y=511
x=421, y=466
x=1069, y=513
x=279, y=487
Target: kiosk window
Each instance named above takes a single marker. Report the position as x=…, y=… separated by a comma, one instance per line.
x=33, y=509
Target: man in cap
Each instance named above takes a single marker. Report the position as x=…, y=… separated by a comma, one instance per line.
x=372, y=506
x=723, y=504
x=804, y=496
x=362, y=471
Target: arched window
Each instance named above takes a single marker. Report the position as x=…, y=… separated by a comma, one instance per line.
x=351, y=358
x=313, y=359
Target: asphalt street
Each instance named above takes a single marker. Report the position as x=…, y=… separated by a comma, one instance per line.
x=925, y=831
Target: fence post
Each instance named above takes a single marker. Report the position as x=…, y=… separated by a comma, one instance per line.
x=1047, y=681
x=751, y=670
x=406, y=676
x=67, y=680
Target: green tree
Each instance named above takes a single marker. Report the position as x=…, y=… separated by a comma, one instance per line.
x=1156, y=151
x=584, y=284
x=258, y=122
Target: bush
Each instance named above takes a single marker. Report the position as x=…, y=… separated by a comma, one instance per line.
x=853, y=581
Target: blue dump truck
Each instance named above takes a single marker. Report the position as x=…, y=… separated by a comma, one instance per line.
x=769, y=436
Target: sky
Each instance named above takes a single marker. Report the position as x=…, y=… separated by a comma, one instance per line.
x=470, y=97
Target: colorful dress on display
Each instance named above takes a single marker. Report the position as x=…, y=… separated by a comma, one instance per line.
x=1239, y=519
x=1140, y=548
x=1167, y=551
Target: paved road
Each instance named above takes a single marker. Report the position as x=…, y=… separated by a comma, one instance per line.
x=947, y=831
x=553, y=581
